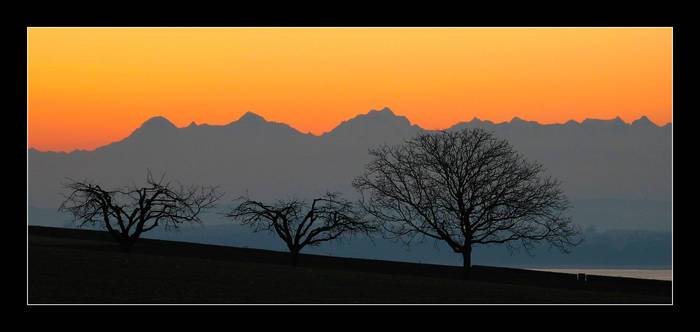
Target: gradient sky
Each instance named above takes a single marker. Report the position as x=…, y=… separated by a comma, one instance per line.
x=88, y=87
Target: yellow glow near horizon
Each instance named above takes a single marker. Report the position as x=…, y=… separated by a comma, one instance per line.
x=88, y=87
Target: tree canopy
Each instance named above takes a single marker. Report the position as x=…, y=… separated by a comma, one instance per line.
x=465, y=188
x=300, y=223
x=130, y=211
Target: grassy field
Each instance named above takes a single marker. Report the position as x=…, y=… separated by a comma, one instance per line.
x=83, y=267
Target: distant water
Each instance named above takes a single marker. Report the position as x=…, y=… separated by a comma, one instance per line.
x=629, y=273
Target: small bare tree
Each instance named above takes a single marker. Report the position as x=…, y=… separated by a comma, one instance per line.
x=465, y=188
x=130, y=211
x=300, y=224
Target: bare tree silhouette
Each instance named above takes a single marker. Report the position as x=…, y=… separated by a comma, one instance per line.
x=300, y=224
x=130, y=211
x=465, y=188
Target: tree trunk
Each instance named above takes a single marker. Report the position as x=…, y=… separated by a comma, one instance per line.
x=294, y=256
x=467, y=262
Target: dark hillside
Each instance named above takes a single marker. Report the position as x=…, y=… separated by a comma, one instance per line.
x=52, y=251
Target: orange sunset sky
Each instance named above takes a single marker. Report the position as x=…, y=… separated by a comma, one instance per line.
x=88, y=87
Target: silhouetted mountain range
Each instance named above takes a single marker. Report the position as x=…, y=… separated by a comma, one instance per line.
x=626, y=165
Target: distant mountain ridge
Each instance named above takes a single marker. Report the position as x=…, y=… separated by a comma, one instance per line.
x=377, y=117
x=594, y=159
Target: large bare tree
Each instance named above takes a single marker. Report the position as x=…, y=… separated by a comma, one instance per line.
x=465, y=188
x=300, y=224
x=130, y=211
